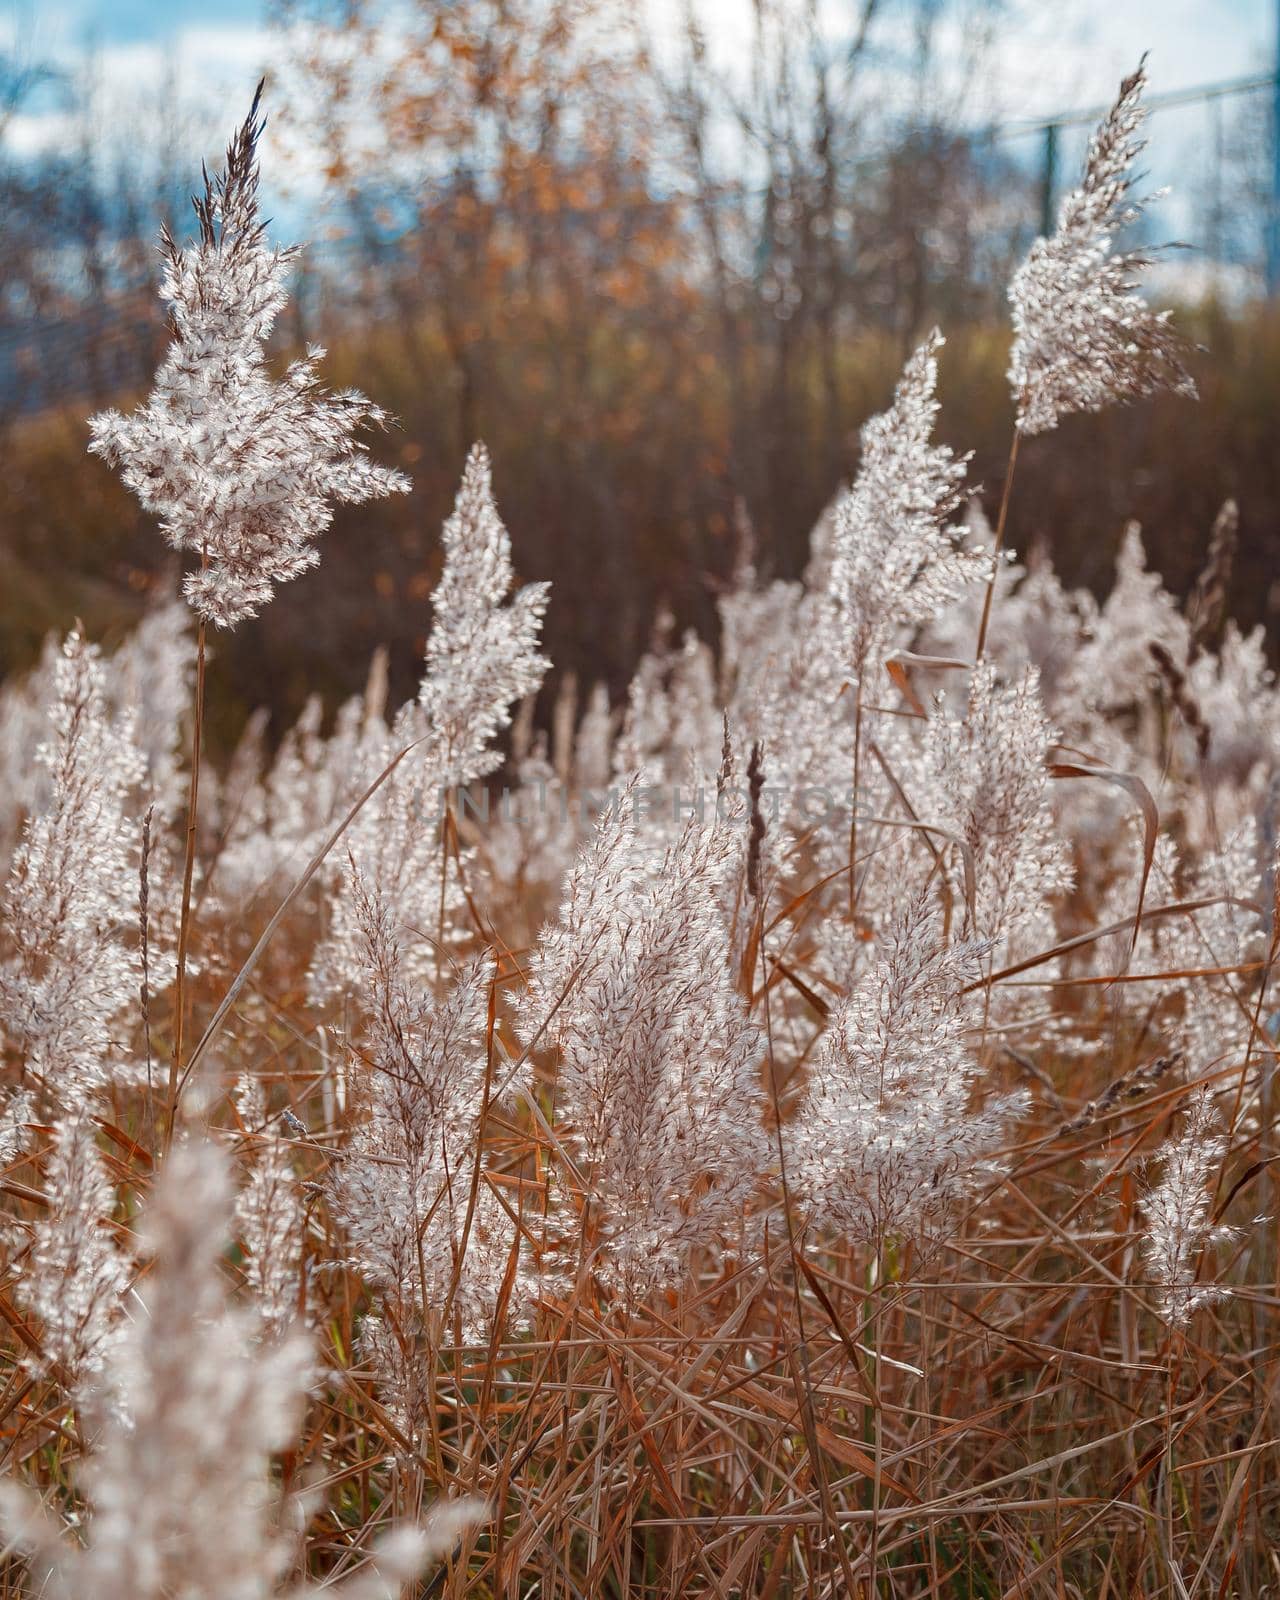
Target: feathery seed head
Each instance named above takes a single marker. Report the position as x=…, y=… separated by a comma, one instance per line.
x=894, y=562
x=1084, y=338
x=242, y=470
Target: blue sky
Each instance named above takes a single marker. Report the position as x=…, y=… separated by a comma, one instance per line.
x=1080, y=47
x=1053, y=49
x=67, y=22
x=212, y=49
x=1051, y=55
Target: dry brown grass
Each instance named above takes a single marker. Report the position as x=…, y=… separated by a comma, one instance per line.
x=1004, y=1417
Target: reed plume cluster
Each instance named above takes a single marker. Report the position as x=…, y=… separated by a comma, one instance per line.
x=807, y=1129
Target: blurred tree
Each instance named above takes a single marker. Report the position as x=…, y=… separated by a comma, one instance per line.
x=658, y=285
x=79, y=317
x=586, y=223
x=844, y=198
x=492, y=168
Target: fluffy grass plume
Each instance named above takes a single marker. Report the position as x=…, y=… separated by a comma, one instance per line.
x=807, y=1129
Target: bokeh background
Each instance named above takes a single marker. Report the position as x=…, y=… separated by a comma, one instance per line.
x=663, y=258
